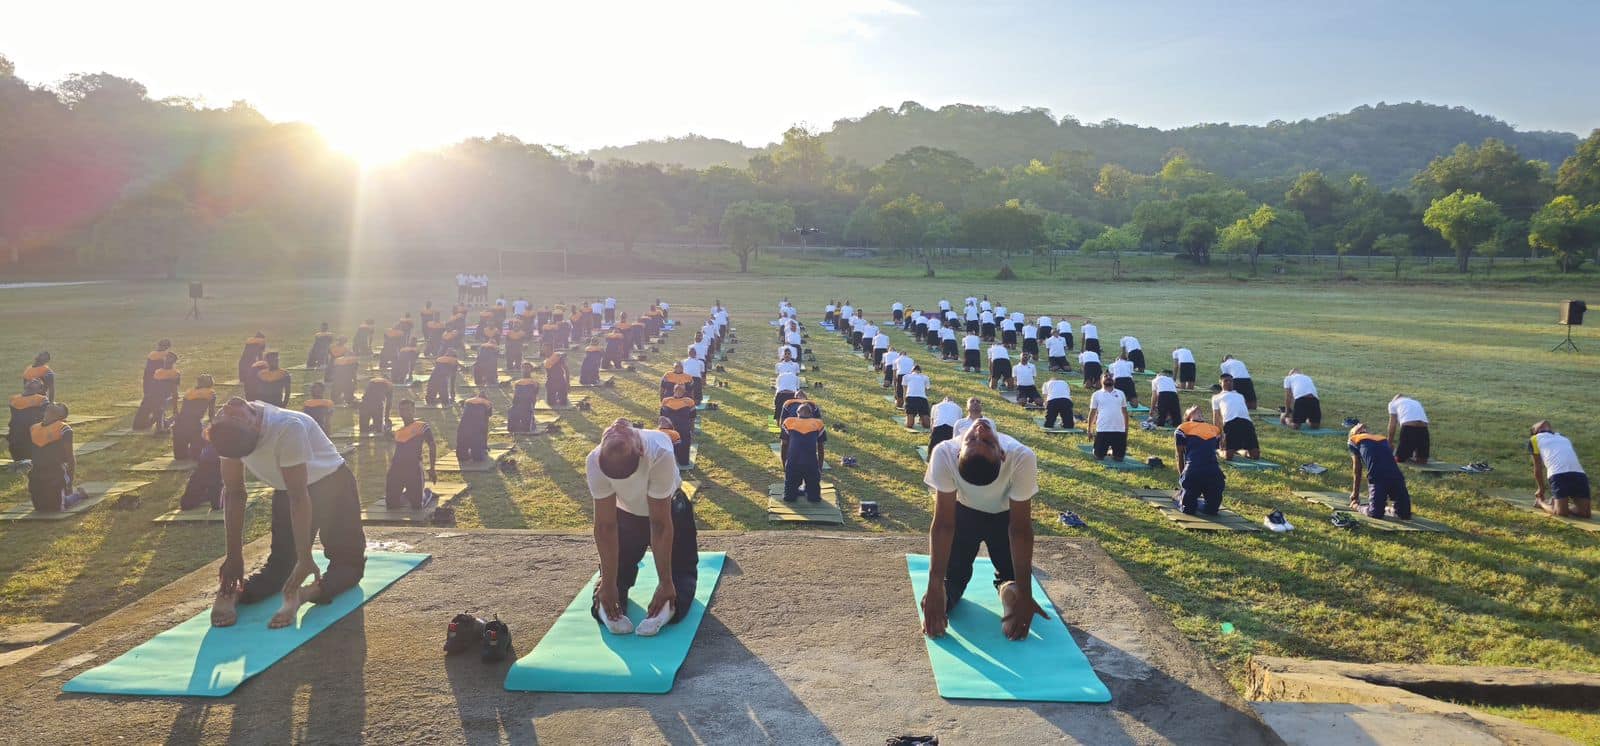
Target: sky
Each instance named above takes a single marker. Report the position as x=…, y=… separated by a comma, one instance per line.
x=382, y=78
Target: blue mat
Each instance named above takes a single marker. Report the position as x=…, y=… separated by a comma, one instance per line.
x=579, y=655
x=195, y=659
x=974, y=660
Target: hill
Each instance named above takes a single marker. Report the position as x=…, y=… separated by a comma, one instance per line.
x=690, y=151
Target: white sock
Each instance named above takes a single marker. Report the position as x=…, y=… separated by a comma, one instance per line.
x=619, y=626
x=649, y=626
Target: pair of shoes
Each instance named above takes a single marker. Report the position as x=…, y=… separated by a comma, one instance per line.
x=493, y=637
x=1071, y=519
x=1341, y=520
x=1478, y=467
x=848, y=461
x=1276, y=522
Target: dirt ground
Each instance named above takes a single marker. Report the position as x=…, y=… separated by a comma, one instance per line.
x=811, y=638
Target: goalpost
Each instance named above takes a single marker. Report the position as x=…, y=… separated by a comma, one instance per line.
x=531, y=261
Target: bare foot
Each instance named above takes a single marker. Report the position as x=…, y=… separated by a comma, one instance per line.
x=287, y=614
x=225, y=610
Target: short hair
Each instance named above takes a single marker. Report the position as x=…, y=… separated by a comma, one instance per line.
x=233, y=439
x=1166, y=372
x=618, y=464
x=978, y=469
x=1225, y=377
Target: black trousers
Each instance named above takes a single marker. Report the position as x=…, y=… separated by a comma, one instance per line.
x=336, y=518
x=1137, y=358
x=939, y=435
x=972, y=361
x=1413, y=443
x=1167, y=410
x=1114, y=443
x=633, y=540
x=372, y=420
x=403, y=486
x=1058, y=408
x=975, y=527
x=778, y=400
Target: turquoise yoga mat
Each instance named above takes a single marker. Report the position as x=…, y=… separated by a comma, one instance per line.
x=580, y=655
x=195, y=659
x=974, y=660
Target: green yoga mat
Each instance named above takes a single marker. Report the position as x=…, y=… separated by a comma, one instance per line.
x=1245, y=464
x=579, y=655
x=1307, y=430
x=974, y=660
x=195, y=659
x=1129, y=462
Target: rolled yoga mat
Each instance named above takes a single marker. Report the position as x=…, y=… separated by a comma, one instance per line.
x=578, y=654
x=974, y=660
x=195, y=659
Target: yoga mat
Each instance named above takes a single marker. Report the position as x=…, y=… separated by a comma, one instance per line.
x=98, y=491
x=72, y=419
x=803, y=510
x=1246, y=464
x=1318, y=432
x=93, y=446
x=579, y=655
x=1011, y=396
x=195, y=659
x=1224, y=520
x=1437, y=468
x=694, y=455
x=1340, y=502
x=605, y=382
x=1129, y=462
x=204, y=513
x=890, y=398
x=572, y=403
x=1058, y=429
x=1523, y=500
x=165, y=464
x=974, y=660
x=378, y=512
x=900, y=421
x=701, y=407
x=922, y=453
x=447, y=459
x=777, y=453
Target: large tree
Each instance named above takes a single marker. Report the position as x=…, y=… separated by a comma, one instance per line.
x=749, y=225
x=1580, y=172
x=1008, y=229
x=1566, y=230
x=1494, y=171
x=1465, y=221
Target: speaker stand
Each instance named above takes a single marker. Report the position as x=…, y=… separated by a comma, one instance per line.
x=1566, y=344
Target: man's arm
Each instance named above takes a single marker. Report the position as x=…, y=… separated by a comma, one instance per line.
x=1355, y=477
x=1540, y=481
x=294, y=479
x=661, y=547
x=1178, y=452
x=1394, y=421
x=1125, y=417
x=1288, y=399
x=605, y=542
x=1020, y=528
x=1093, y=419
x=233, y=498
x=433, y=456
x=941, y=535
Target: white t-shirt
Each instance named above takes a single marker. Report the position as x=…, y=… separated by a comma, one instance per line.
x=700, y=349
x=695, y=367
x=1045, y=322
x=656, y=478
x=1183, y=355
x=787, y=382
x=1018, y=480
x=290, y=438
x=848, y=311
x=597, y=307
x=985, y=305
x=971, y=342
x=519, y=307
x=999, y=352
x=1299, y=384
x=944, y=305
x=869, y=331
x=1088, y=356
x=611, y=302
x=1007, y=325
x=904, y=365
x=946, y=413
x=1235, y=368
x=880, y=342
x=1064, y=326
x=1056, y=346
x=889, y=358
x=1108, y=406
x=987, y=317
x=788, y=367
x=1030, y=331
x=830, y=308
x=916, y=384
x=972, y=313
x=947, y=333
x=1090, y=331
x=1557, y=453
x=1163, y=384
x=461, y=279
x=1024, y=374
x=1017, y=317
x=793, y=338
x=1406, y=409
x=1121, y=368
x=1056, y=388
x=1232, y=406
x=1130, y=343
x=935, y=325
x=898, y=306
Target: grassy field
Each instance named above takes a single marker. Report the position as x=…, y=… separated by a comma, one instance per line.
x=1504, y=588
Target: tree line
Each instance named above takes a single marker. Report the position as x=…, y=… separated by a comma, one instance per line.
x=95, y=173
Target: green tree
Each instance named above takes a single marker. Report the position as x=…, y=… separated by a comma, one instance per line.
x=748, y=225
x=1113, y=241
x=1313, y=197
x=1240, y=237
x=1158, y=222
x=1007, y=229
x=1397, y=245
x=1196, y=238
x=1494, y=171
x=1465, y=221
x=1566, y=230
x=903, y=223
x=1579, y=175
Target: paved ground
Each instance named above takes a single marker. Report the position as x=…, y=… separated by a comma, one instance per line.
x=811, y=638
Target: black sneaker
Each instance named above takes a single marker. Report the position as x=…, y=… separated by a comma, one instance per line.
x=496, y=641
x=463, y=629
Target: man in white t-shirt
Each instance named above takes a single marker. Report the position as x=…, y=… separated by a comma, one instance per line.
x=1064, y=328
x=784, y=388
x=1121, y=372
x=1108, y=421
x=1300, y=403
x=610, y=316
x=1030, y=339
x=313, y=493
x=945, y=416
x=1130, y=347
x=1558, y=474
x=1025, y=374
x=1091, y=336
x=1055, y=350
x=999, y=367
x=889, y=359
x=695, y=366
x=880, y=345
x=970, y=345
x=903, y=366
x=986, y=325
x=1409, y=421
x=898, y=311
x=1242, y=382
x=973, y=327
x=947, y=344
x=915, y=387
x=985, y=483
x=973, y=414
x=461, y=287
x=1058, y=404
x=1183, y=360
x=1165, y=408
x=1089, y=362
x=519, y=307
x=1228, y=407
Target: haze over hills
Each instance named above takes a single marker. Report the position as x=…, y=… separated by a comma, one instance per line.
x=1387, y=142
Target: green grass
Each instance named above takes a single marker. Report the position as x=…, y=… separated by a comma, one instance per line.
x=1506, y=588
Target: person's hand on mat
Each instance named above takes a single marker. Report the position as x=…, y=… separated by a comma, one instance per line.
x=934, y=614
x=1016, y=623
x=1538, y=494
x=610, y=604
x=666, y=593
x=1355, y=499
x=293, y=594
x=230, y=575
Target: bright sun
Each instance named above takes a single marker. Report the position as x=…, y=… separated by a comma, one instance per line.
x=369, y=143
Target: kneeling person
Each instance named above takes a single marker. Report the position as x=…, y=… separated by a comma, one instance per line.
x=404, y=488
x=1200, y=478
x=1385, y=482
x=1557, y=473
x=802, y=465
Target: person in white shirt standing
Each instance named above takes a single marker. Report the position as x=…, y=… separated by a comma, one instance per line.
x=945, y=416
x=1183, y=359
x=314, y=492
x=1558, y=474
x=1165, y=408
x=1130, y=347
x=1108, y=421
x=1410, y=422
x=633, y=478
x=984, y=484
x=1300, y=403
x=915, y=386
x=1058, y=404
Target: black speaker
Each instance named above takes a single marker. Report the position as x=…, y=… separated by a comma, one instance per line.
x=1572, y=312
x=197, y=292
